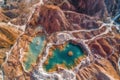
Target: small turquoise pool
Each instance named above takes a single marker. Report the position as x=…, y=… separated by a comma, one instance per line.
x=62, y=56
x=35, y=48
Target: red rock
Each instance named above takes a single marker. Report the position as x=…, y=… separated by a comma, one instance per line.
x=66, y=5
x=54, y=19
x=78, y=20
x=92, y=8
x=97, y=49
x=51, y=18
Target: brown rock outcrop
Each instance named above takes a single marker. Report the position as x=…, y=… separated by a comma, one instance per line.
x=105, y=45
x=99, y=70
x=55, y=16
x=3, y=55
x=97, y=49
x=8, y=35
x=81, y=21
x=102, y=47
x=93, y=8
x=108, y=48
x=54, y=19
x=12, y=67
x=3, y=18
x=51, y=18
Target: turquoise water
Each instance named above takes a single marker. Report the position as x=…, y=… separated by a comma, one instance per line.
x=35, y=48
x=60, y=57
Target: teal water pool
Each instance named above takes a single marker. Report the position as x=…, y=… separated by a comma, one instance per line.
x=35, y=48
x=62, y=56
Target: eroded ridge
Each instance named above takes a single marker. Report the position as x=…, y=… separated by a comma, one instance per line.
x=60, y=40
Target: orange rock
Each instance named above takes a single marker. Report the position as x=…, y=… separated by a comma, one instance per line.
x=94, y=71
x=107, y=48
x=50, y=53
x=70, y=53
x=46, y=62
x=8, y=35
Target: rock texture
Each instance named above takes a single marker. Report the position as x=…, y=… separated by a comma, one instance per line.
x=99, y=71
x=85, y=22
x=8, y=35
x=3, y=18
x=18, y=10
x=92, y=8
x=51, y=17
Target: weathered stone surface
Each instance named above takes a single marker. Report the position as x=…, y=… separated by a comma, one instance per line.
x=51, y=18
x=18, y=10
x=83, y=21
x=105, y=45
x=3, y=18
x=97, y=49
x=99, y=71
x=3, y=55
x=93, y=8
x=8, y=35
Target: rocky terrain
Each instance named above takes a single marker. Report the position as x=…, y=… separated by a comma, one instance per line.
x=93, y=25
